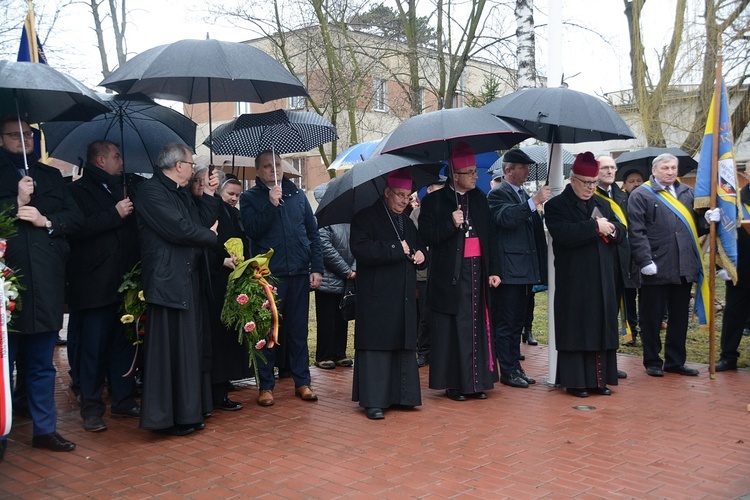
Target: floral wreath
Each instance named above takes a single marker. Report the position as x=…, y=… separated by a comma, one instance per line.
x=250, y=303
x=133, y=308
x=12, y=288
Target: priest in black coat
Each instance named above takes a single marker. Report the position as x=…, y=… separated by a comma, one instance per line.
x=584, y=234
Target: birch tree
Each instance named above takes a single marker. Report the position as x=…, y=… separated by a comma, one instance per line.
x=526, y=44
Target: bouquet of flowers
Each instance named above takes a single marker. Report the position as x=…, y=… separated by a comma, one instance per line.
x=250, y=302
x=12, y=288
x=133, y=307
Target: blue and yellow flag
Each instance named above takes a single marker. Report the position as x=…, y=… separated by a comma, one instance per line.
x=726, y=184
x=31, y=49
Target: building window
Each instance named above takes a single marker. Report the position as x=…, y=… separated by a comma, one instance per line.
x=299, y=166
x=241, y=108
x=298, y=101
x=421, y=94
x=380, y=97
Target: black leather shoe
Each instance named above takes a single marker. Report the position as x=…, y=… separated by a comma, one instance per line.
x=655, y=371
x=523, y=375
x=228, y=405
x=374, y=413
x=724, y=365
x=528, y=337
x=53, y=442
x=579, y=393
x=94, y=424
x=521, y=357
x=683, y=370
x=134, y=412
x=513, y=380
x=455, y=395
x=621, y=374
x=175, y=430
x=198, y=426
x=604, y=391
x=422, y=360
x=476, y=395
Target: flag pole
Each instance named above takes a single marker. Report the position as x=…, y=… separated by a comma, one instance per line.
x=716, y=105
x=33, y=48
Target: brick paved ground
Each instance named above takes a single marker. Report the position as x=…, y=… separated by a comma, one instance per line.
x=676, y=437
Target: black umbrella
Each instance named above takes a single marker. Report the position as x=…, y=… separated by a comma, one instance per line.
x=434, y=135
x=280, y=130
x=641, y=159
x=361, y=185
x=561, y=115
x=139, y=125
x=538, y=170
x=39, y=93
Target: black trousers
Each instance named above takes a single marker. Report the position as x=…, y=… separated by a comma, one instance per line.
x=736, y=315
x=510, y=303
x=423, y=322
x=654, y=300
x=332, y=328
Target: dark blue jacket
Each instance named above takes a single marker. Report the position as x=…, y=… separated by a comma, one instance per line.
x=290, y=229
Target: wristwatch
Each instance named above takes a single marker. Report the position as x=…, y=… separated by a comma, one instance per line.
x=48, y=224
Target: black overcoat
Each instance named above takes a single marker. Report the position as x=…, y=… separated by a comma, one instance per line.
x=38, y=255
x=446, y=243
x=106, y=247
x=386, y=313
x=585, y=296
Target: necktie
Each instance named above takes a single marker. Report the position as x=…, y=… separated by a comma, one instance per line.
x=522, y=194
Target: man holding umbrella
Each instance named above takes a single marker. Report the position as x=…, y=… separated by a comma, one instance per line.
x=456, y=225
x=46, y=215
x=276, y=214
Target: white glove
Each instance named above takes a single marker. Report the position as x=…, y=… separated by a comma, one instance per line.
x=649, y=270
x=723, y=275
x=712, y=215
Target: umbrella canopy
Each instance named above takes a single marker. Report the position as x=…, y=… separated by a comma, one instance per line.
x=360, y=186
x=139, y=125
x=195, y=71
x=353, y=154
x=40, y=93
x=280, y=130
x=561, y=115
x=538, y=171
x=434, y=135
x=641, y=160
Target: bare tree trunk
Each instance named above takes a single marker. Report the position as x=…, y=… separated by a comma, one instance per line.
x=118, y=29
x=409, y=21
x=526, y=44
x=100, y=37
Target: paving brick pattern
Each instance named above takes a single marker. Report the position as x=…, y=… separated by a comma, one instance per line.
x=674, y=437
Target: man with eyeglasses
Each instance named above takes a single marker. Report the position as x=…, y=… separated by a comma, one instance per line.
x=523, y=262
x=175, y=230
x=47, y=214
x=585, y=234
x=626, y=274
x=456, y=225
x=663, y=231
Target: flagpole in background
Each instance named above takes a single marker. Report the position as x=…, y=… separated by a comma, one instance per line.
x=716, y=105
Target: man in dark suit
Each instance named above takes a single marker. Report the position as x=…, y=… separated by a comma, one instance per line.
x=523, y=261
x=103, y=251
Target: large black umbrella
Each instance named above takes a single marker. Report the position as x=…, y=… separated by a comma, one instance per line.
x=139, y=125
x=280, y=130
x=538, y=170
x=361, y=185
x=39, y=93
x=641, y=159
x=561, y=115
x=434, y=135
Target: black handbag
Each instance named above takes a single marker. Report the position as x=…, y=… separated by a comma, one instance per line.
x=348, y=301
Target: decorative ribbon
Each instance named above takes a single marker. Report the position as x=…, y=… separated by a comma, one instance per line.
x=682, y=213
x=617, y=209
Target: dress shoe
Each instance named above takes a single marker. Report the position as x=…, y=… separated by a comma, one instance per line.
x=198, y=426
x=175, y=430
x=306, y=393
x=621, y=374
x=604, y=391
x=422, y=360
x=94, y=424
x=725, y=364
x=455, y=395
x=655, y=371
x=228, y=405
x=513, y=380
x=134, y=412
x=326, y=365
x=521, y=357
x=477, y=395
x=53, y=442
x=579, y=393
x=528, y=337
x=374, y=413
x=346, y=362
x=682, y=370
x=265, y=398
x=523, y=375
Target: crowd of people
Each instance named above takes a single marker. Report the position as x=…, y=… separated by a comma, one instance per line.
x=456, y=273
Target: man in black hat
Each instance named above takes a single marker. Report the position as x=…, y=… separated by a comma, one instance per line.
x=523, y=261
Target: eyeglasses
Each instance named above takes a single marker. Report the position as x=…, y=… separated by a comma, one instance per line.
x=400, y=196
x=192, y=164
x=470, y=173
x=588, y=184
x=608, y=167
x=28, y=134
